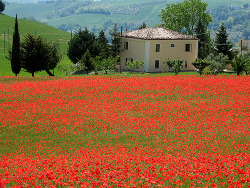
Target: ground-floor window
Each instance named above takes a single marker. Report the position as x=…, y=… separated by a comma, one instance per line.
x=126, y=60
x=186, y=64
x=157, y=64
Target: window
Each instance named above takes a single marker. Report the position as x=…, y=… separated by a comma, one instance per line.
x=157, y=47
x=188, y=47
x=126, y=60
x=186, y=64
x=126, y=45
x=157, y=64
x=172, y=45
x=131, y=60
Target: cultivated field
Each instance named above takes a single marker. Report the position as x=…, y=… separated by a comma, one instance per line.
x=125, y=131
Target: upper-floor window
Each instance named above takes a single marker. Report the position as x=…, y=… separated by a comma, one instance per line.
x=131, y=60
x=126, y=45
x=157, y=47
x=188, y=47
x=172, y=45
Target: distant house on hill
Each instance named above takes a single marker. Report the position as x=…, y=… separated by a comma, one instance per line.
x=153, y=45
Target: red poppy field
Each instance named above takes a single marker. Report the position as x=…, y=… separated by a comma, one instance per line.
x=125, y=131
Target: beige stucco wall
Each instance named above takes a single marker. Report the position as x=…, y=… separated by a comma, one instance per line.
x=146, y=50
x=178, y=51
x=136, y=50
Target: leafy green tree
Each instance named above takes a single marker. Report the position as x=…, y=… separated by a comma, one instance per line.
x=105, y=64
x=15, y=52
x=247, y=63
x=185, y=16
x=239, y=64
x=132, y=65
x=200, y=65
x=82, y=41
x=247, y=66
x=201, y=33
x=2, y=6
x=222, y=45
x=174, y=64
x=55, y=57
x=217, y=62
x=37, y=55
x=87, y=61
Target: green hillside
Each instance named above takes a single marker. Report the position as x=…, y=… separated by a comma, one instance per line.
x=96, y=15
x=26, y=27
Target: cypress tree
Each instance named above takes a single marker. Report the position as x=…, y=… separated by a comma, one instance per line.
x=221, y=42
x=2, y=6
x=201, y=33
x=103, y=45
x=115, y=41
x=15, y=55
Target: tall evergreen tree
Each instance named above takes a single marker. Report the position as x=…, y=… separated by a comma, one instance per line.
x=2, y=6
x=201, y=33
x=87, y=61
x=38, y=54
x=78, y=45
x=103, y=45
x=221, y=42
x=15, y=54
x=115, y=41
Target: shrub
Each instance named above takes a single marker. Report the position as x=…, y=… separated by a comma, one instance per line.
x=200, y=65
x=174, y=64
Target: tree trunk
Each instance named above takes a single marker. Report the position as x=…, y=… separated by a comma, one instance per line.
x=33, y=74
x=49, y=73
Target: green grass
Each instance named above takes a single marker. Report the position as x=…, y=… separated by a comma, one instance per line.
x=39, y=11
x=26, y=27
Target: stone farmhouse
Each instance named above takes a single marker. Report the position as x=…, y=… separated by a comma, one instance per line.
x=153, y=45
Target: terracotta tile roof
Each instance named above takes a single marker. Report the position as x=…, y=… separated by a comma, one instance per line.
x=160, y=33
